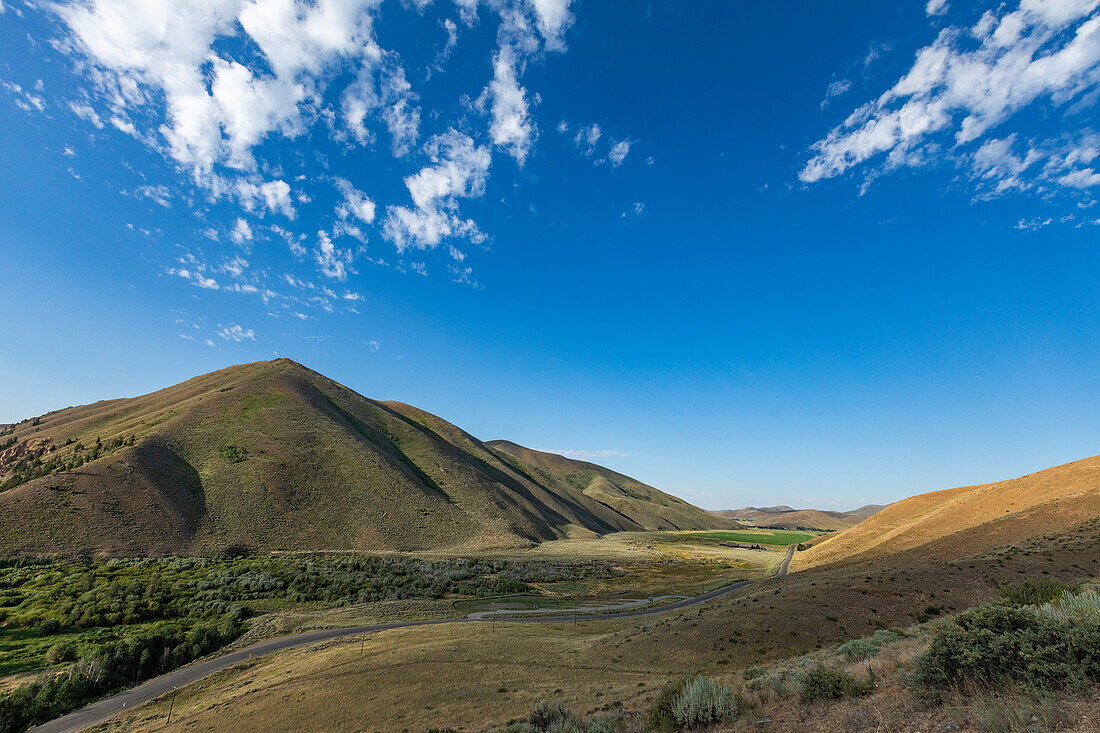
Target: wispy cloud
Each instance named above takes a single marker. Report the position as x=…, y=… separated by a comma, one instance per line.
x=590, y=455
x=971, y=81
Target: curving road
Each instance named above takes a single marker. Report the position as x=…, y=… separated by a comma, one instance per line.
x=108, y=707
x=786, y=564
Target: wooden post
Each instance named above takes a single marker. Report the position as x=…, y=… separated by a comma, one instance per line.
x=172, y=705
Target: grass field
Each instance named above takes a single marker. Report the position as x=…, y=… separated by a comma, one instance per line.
x=779, y=537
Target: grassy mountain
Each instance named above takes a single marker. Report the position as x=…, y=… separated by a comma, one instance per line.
x=274, y=456
x=621, y=501
x=787, y=518
x=969, y=520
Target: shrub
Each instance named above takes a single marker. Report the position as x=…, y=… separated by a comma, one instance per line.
x=994, y=642
x=552, y=717
x=1082, y=607
x=858, y=649
x=659, y=717
x=1032, y=592
x=62, y=651
x=703, y=702
x=882, y=637
x=49, y=626
x=752, y=673
x=825, y=683
x=233, y=453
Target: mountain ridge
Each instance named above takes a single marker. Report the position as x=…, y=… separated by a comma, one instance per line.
x=275, y=456
x=786, y=517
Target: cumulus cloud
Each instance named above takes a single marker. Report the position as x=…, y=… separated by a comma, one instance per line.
x=458, y=169
x=618, y=153
x=382, y=89
x=241, y=233
x=553, y=18
x=355, y=203
x=215, y=109
x=587, y=137
x=512, y=128
x=972, y=81
x=937, y=7
x=331, y=260
x=235, y=332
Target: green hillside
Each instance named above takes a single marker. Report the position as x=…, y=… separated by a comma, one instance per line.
x=274, y=456
x=626, y=503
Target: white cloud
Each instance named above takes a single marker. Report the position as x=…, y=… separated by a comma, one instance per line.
x=24, y=100
x=85, y=112
x=272, y=195
x=587, y=137
x=969, y=82
x=355, y=203
x=458, y=169
x=241, y=233
x=512, y=128
x=618, y=153
x=588, y=455
x=124, y=125
x=553, y=18
x=835, y=89
x=293, y=241
x=332, y=261
x=236, y=333
x=382, y=89
x=215, y=109
x=937, y=7
x=195, y=277
x=236, y=266
x=158, y=193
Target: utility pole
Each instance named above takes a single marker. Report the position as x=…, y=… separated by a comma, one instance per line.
x=172, y=705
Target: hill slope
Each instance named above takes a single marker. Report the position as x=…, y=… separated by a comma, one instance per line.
x=274, y=456
x=625, y=502
x=968, y=520
x=787, y=518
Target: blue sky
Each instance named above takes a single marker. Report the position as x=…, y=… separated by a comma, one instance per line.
x=793, y=252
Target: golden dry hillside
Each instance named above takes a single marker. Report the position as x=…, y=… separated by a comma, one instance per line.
x=969, y=520
x=274, y=456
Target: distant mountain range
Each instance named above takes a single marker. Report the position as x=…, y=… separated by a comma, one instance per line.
x=274, y=456
x=786, y=517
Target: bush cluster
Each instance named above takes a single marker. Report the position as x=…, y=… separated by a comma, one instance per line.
x=692, y=703
x=116, y=665
x=107, y=593
x=552, y=717
x=1044, y=647
x=825, y=683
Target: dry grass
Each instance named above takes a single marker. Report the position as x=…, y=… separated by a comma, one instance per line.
x=411, y=679
x=971, y=519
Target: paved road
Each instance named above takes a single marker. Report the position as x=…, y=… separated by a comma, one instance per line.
x=786, y=564
x=108, y=707
x=594, y=607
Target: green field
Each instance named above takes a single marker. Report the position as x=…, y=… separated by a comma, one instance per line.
x=760, y=537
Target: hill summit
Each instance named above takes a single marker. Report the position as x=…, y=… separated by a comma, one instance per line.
x=274, y=456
